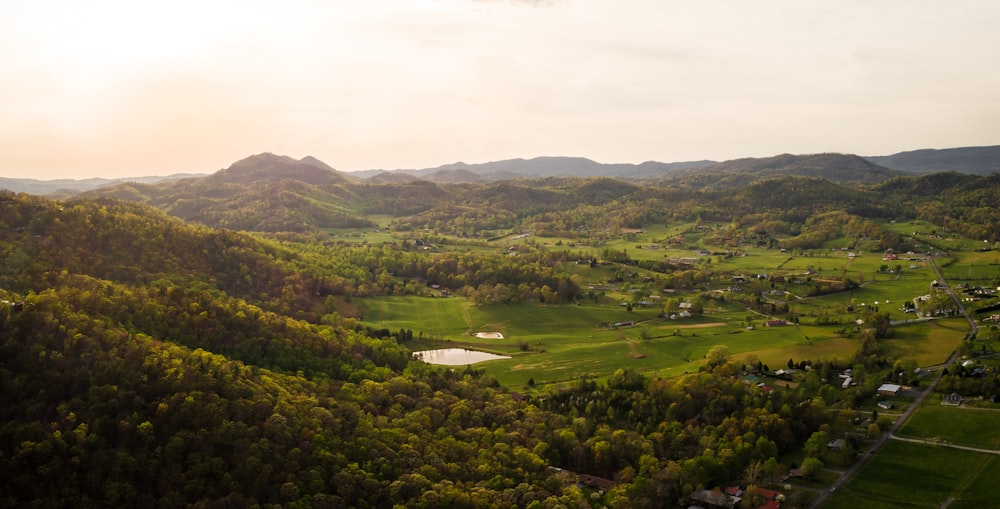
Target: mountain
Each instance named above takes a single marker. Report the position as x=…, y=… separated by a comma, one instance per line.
x=263, y=192
x=268, y=167
x=976, y=160
x=538, y=167
x=66, y=187
x=837, y=168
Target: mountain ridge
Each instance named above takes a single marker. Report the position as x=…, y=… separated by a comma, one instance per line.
x=980, y=160
x=975, y=160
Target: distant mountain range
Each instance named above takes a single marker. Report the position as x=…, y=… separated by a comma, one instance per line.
x=69, y=187
x=849, y=168
x=535, y=168
x=975, y=160
x=840, y=168
x=276, y=193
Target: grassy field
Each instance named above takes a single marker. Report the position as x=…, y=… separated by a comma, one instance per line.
x=929, y=343
x=921, y=476
x=553, y=344
x=936, y=422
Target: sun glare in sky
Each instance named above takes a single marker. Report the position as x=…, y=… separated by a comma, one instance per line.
x=115, y=88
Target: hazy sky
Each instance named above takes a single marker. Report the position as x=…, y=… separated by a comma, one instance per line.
x=129, y=88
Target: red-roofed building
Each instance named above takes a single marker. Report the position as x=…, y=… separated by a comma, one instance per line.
x=768, y=494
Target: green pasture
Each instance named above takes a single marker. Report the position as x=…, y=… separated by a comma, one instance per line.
x=976, y=267
x=921, y=476
x=969, y=427
x=361, y=235
x=915, y=227
x=952, y=243
x=929, y=343
x=554, y=344
x=885, y=294
x=756, y=261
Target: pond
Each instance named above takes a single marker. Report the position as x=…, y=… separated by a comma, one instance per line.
x=455, y=356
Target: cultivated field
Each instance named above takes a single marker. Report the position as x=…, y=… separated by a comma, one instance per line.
x=937, y=423
x=904, y=474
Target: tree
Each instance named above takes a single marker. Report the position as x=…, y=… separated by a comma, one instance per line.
x=718, y=355
x=753, y=472
x=810, y=467
x=815, y=446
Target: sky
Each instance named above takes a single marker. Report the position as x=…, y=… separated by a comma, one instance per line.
x=124, y=88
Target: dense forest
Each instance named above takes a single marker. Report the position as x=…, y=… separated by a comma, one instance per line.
x=147, y=360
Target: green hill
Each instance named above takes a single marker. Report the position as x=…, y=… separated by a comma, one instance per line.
x=264, y=192
x=838, y=168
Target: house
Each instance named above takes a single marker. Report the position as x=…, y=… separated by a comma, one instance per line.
x=953, y=399
x=847, y=383
x=836, y=444
x=890, y=389
x=795, y=472
x=885, y=405
x=768, y=494
x=771, y=499
x=592, y=481
x=776, y=323
x=715, y=499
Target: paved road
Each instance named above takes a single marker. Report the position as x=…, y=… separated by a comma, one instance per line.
x=973, y=326
x=867, y=455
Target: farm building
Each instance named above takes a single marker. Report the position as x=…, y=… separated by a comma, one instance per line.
x=889, y=389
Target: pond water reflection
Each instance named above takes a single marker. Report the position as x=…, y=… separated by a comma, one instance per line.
x=455, y=356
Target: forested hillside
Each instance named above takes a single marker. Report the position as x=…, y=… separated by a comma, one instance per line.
x=149, y=357
x=273, y=193
x=148, y=362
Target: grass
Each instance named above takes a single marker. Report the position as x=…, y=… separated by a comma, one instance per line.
x=970, y=427
x=928, y=343
x=555, y=344
x=921, y=476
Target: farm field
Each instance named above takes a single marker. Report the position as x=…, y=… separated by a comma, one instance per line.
x=970, y=427
x=929, y=343
x=905, y=474
x=555, y=344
